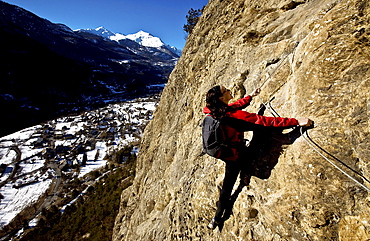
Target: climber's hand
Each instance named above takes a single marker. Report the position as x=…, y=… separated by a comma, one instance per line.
x=255, y=92
x=304, y=122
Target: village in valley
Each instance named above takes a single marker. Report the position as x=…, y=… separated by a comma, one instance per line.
x=36, y=162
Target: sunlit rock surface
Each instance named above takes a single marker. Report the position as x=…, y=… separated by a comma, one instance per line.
x=314, y=58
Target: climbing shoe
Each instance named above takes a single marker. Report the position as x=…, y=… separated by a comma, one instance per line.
x=213, y=224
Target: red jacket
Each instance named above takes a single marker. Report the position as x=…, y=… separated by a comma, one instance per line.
x=235, y=137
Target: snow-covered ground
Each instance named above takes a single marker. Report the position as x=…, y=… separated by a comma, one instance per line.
x=24, y=179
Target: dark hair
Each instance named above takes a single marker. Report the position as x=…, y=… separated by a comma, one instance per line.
x=217, y=107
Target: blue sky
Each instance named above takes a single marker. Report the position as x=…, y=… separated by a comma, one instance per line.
x=161, y=18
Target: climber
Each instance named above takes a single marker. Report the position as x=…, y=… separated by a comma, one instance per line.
x=235, y=123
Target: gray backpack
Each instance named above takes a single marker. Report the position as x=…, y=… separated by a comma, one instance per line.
x=212, y=136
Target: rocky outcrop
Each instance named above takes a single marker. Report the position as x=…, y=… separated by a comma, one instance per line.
x=313, y=57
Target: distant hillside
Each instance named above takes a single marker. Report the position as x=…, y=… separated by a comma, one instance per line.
x=48, y=70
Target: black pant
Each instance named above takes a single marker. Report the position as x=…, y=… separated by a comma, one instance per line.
x=243, y=166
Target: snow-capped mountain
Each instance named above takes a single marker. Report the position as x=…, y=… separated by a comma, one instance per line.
x=143, y=38
x=146, y=39
x=49, y=70
x=101, y=31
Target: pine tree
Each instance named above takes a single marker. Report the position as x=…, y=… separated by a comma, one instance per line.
x=192, y=19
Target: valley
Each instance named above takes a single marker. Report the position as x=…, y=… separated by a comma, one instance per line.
x=39, y=164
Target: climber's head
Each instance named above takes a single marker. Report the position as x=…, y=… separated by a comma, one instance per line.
x=226, y=95
x=217, y=100
x=218, y=93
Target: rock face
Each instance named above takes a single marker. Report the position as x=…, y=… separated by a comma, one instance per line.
x=314, y=58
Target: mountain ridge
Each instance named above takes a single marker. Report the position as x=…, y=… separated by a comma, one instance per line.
x=49, y=70
x=141, y=37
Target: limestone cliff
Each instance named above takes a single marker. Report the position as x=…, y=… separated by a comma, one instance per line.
x=314, y=58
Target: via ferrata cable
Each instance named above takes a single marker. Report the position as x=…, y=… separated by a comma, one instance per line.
x=307, y=138
x=315, y=146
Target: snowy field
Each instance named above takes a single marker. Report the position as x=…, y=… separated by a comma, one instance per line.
x=25, y=178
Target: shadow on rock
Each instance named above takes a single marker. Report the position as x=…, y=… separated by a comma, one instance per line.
x=264, y=151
